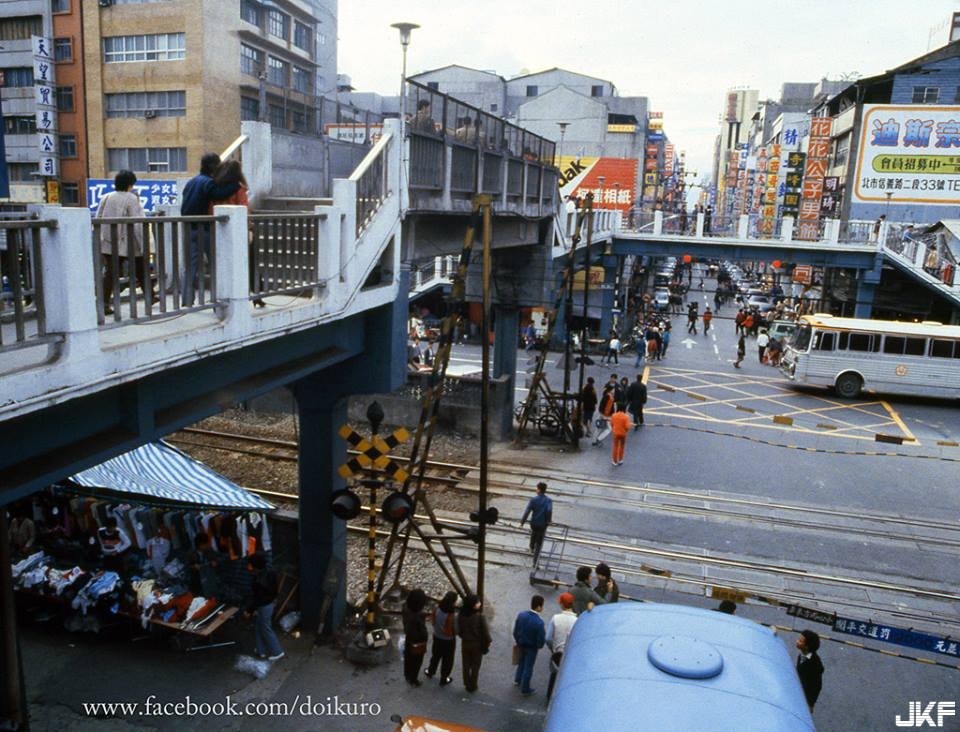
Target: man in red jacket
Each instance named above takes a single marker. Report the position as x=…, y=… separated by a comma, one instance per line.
x=620, y=426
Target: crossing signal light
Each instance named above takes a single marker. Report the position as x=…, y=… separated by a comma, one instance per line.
x=345, y=504
x=397, y=507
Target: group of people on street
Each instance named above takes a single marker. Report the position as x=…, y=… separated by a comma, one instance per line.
x=619, y=400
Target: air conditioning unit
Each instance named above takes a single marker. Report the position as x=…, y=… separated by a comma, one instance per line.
x=149, y=113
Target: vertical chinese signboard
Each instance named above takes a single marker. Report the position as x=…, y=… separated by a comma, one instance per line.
x=46, y=106
x=910, y=154
x=818, y=150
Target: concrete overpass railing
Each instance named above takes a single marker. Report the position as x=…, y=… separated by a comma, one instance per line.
x=59, y=342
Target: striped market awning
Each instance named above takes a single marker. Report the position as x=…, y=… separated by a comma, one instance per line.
x=162, y=472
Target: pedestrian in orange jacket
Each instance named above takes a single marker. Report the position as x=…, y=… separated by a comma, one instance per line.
x=620, y=426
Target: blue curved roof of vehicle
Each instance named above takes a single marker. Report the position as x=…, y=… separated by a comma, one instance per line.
x=608, y=681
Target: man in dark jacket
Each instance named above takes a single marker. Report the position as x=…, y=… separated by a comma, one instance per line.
x=588, y=405
x=584, y=598
x=607, y=587
x=264, y=590
x=195, y=201
x=529, y=633
x=809, y=666
x=540, y=511
x=637, y=397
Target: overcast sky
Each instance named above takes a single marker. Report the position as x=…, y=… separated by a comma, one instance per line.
x=681, y=54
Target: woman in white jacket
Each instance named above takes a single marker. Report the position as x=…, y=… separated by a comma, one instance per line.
x=121, y=203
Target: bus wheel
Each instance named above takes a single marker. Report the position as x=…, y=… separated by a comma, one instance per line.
x=848, y=386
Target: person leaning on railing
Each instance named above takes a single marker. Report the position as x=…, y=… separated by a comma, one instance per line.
x=121, y=203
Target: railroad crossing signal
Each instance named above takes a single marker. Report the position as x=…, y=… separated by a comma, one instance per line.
x=373, y=453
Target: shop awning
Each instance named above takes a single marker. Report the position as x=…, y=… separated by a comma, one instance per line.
x=162, y=472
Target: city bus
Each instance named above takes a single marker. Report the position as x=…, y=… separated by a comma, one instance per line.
x=853, y=355
x=631, y=666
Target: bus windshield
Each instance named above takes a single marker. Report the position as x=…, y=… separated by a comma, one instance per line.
x=802, y=340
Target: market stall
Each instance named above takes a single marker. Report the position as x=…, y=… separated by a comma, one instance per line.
x=151, y=535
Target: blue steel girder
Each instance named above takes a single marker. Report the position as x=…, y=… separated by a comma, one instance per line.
x=794, y=252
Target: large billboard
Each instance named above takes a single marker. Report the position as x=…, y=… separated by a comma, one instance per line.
x=909, y=154
x=580, y=175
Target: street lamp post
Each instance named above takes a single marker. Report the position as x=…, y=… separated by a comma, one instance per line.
x=404, y=29
x=563, y=131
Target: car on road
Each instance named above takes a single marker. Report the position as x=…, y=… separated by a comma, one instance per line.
x=661, y=298
x=763, y=303
x=782, y=330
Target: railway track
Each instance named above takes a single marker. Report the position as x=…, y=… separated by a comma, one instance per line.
x=692, y=571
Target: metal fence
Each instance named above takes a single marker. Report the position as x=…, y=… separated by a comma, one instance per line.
x=284, y=254
x=372, y=183
x=22, y=316
x=170, y=259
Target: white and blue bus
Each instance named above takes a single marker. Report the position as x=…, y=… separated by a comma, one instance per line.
x=854, y=355
x=634, y=667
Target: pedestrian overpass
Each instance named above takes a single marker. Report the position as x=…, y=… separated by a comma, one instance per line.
x=80, y=384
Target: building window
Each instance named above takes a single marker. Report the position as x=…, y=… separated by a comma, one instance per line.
x=68, y=146
x=276, y=71
x=278, y=118
x=531, y=90
x=21, y=125
x=22, y=172
x=926, y=94
x=321, y=39
x=251, y=60
x=70, y=193
x=301, y=35
x=842, y=151
x=249, y=109
x=18, y=77
x=148, y=159
x=65, y=101
x=20, y=29
x=278, y=24
x=62, y=49
x=435, y=85
x=301, y=80
x=61, y=6
x=251, y=12
x=494, y=107
x=298, y=120
x=596, y=90
x=156, y=47
x=146, y=104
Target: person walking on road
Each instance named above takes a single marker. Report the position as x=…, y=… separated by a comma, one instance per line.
x=445, y=628
x=588, y=404
x=707, y=319
x=692, y=316
x=474, y=640
x=529, y=634
x=608, y=403
x=636, y=398
x=620, y=426
x=540, y=510
x=558, y=630
x=664, y=344
x=762, y=340
x=613, y=350
x=741, y=350
x=809, y=666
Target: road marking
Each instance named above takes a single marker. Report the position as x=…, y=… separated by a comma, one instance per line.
x=896, y=418
x=716, y=350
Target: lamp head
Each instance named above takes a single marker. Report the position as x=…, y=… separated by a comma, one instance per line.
x=404, y=29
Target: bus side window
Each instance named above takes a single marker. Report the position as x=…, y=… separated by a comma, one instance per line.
x=916, y=346
x=944, y=349
x=843, y=341
x=863, y=342
x=825, y=342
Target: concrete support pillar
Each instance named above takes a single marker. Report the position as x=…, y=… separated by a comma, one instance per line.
x=700, y=221
x=866, y=290
x=743, y=226
x=657, y=223
x=257, y=159
x=323, y=537
x=611, y=265
x=447, y=200
x=506, y=331
x=232, y=268
x=831, y=231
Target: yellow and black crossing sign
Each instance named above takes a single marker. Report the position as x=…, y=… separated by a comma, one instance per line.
x=374, y=452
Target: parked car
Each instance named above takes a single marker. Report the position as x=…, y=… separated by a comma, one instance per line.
x=763, y=303
x=661, y=298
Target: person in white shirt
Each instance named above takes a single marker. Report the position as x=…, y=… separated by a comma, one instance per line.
x=113, y=540
x=762, y=340
x=558, y=630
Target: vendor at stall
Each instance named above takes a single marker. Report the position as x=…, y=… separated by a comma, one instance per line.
x=23, y=534
x=113, y=543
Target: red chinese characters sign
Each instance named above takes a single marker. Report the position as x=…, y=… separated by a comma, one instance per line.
x=818, y=151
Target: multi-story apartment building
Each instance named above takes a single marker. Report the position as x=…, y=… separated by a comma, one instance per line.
x=20, y=21
x=167, y=80
x=71, y=100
